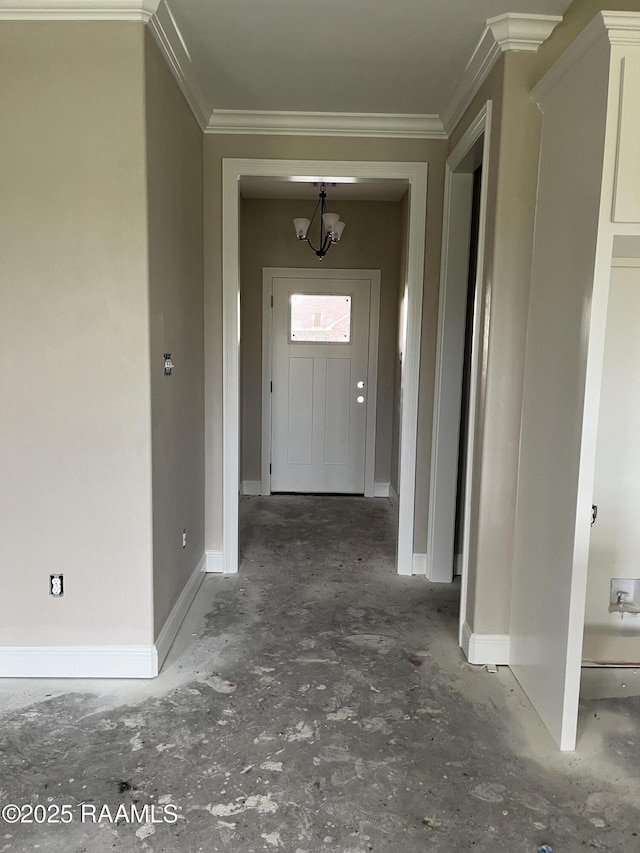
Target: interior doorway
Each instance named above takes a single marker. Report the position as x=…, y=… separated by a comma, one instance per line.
x=459, y=355
x=467, y=362
x=414, y=176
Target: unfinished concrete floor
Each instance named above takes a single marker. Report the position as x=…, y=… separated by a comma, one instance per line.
x=318, y=703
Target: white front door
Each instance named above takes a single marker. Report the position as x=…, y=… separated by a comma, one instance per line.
x=319, y=394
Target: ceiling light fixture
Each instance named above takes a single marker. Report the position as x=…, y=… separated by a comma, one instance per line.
x=330, y=226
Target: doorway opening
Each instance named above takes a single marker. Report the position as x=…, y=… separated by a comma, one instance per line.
x=461, y=318
x=236, y=416
x=463, y=461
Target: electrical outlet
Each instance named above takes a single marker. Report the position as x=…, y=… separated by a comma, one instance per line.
x=56, y=585
x=184, y=538
x=624, y=595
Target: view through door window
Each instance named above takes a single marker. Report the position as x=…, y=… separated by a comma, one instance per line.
x=320, y=318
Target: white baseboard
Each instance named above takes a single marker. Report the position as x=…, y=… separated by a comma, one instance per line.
x=393, y=495
x=78, y=662
x=179, y=610
x=254, y=487
x=420, y=564
x=485, y=648
x=214, y=561
x=251, y=487
x=101, y=661
x=381, y=490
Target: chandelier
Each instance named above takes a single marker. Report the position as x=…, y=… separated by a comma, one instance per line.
x=329, y=225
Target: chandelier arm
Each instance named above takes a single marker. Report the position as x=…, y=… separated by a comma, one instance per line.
x=326, y=239
x=311, y=225
x=323, y=210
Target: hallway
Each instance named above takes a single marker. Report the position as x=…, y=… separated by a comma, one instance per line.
x=317, y=703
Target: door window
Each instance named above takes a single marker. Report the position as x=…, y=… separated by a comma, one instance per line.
x=320, y=318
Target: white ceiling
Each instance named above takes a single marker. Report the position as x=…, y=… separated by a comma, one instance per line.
x=351, y=56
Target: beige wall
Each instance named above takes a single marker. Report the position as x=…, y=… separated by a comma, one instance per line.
x=174, y=169
x=289, y=147
x=372, y=241
x=75, y=454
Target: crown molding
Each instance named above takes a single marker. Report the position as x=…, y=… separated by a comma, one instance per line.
x=522, y=32
x=170, y=40
x=502, y=33
x=261, y=122
x=77, y=10
x=483, y=58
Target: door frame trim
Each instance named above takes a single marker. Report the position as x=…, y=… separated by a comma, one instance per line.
x=373, y=276
x=450, y=355
x=415, y=175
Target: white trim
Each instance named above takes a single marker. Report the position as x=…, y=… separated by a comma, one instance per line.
x=450, y=354
x=515, y=31
x=214, y=561
x=78, y=662
x=483, y=58
x=457, y=565
x=230, y=369
x=479, y=356
x=622, y=27
x=179, y=610
x=625, y=262
x=101, y=661
x=78, y=10
x=485, y=648
x=386, y=125
x=420, y=563
x=373, y=276
x=416, y=176
x=251, y=487
x=372, y=384
x=173, y=47
x=381, y=490
x=505, y=32
x=267, y=372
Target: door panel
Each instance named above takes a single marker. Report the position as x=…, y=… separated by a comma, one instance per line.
x=300, y=417
x=337, y=411
x=319, y=415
